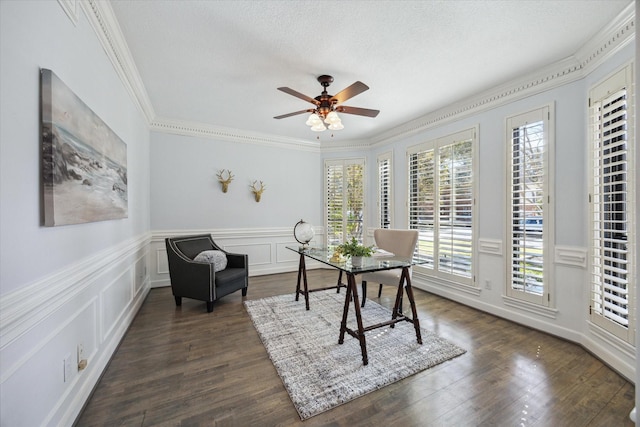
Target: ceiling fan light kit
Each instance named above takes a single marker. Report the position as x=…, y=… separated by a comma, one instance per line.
x=327, y=106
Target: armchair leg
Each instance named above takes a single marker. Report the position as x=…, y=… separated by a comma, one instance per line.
x=209, y=306
x=178, y=301
x=244, y=292
x=380, y=291
x=364, y=292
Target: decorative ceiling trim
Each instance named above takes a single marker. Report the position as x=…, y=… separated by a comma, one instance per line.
x=335, y=146
x=611, y=39
x=203, y=130
x=105, y=25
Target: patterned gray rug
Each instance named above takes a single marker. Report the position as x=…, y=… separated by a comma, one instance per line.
x=318, y=373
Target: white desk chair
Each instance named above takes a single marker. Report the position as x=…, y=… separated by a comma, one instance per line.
x=401, y=243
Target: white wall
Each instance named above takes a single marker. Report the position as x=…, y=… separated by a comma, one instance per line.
x=69, y=285
x=186, y=198
x=185, y=193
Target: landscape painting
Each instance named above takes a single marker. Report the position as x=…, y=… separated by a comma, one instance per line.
x=84, y=163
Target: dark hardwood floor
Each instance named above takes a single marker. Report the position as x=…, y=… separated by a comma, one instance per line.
x=182, y=366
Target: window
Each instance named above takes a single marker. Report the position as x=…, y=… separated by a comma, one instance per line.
x=344, y=196
x=441, y=204
x=611, y=203
x=529, y=227
x=384, y=190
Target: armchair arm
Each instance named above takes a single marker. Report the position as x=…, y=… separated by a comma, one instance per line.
x=236, y=260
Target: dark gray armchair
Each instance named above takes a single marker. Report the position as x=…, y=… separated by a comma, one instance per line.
x=199, y=280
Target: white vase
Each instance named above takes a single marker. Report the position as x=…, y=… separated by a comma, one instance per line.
x=356, y=261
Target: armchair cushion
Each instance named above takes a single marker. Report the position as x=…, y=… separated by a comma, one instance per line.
x=217, y=258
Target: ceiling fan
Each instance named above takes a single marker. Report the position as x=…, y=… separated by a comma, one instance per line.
x=327, y=106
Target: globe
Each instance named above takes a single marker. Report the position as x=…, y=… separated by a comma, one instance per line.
x=303, y=233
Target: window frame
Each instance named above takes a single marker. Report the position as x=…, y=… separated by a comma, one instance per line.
x=435, y=145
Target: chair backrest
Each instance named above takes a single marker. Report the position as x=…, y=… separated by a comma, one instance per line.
x=190, y=246
x=400, y=242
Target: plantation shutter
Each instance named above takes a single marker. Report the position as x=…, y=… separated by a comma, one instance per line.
x=355, y=201
x=335, y=202
x=441, y=195
x=344, y=198
x=384, y=191
x=422, y=203
x=611, y=204
x=455, y=201
x=528, y=217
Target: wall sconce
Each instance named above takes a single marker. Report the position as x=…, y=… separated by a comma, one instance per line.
x=225, y=181
x=257, y=192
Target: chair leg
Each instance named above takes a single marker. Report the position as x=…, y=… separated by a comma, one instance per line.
x=364, y=292
x=209, y=306
x=244, y=292
x=178, y=301
x=380, y=291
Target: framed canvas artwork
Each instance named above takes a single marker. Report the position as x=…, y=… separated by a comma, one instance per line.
x=84, y=163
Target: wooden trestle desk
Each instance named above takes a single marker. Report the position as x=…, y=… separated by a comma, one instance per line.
x=369, y=264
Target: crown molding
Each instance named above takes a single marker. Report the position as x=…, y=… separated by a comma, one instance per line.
x=105, y=25
x=610, y=40
x=186, y=128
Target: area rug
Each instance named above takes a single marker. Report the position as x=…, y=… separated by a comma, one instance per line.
x=320, y=374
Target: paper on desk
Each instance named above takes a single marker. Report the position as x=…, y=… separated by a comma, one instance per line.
x=382, y=253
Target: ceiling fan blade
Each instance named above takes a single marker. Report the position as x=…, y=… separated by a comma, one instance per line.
x=292, y=114
x=299, y=95
x=358, y=111
x=353, y=90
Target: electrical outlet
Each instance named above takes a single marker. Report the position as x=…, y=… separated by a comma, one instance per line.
x=487, y=284
x=67, y=368
x=82, y=362
x=80, y=352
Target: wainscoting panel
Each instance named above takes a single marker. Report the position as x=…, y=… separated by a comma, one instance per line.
x=266, y=248
x=89, y=304
x=284, y=255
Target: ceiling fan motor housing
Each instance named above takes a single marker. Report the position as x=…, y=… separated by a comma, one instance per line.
x=325, y=105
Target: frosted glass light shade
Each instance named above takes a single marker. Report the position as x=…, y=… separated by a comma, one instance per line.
x=332, y=117
x=313, y=120
x=318, y=127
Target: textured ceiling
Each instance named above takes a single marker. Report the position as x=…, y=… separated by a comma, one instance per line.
x=219, y=63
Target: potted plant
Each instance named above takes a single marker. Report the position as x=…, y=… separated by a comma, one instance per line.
x=355, y=250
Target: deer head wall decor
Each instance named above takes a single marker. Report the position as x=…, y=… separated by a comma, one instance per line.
x=257, y=192
x=225, y=181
